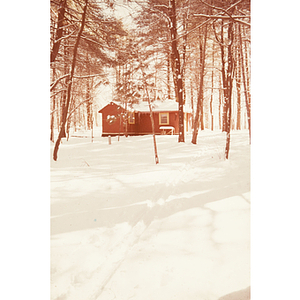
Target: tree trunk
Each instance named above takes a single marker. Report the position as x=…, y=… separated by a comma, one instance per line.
x=64, y=94
x=69, y=86
x=89, y=86
x=229, y=80
x=199, y=110
x=192, y=104
x=238, y=90
x=224, y=80
x=62, y=109
x=246, y=81
x=153, y=128
x=59, y=30
x=226, y=44
x=177, y=71
x=238, y=117
x=238, y=82
x=52, y=114
x=89, y=107
x=220, y=91
x=212, y=90
x=152, y=119
x=185, y=41
x=169, y=75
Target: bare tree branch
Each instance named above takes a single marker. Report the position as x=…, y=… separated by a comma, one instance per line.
x=73, y=110
x=57, y=92
x=225, y=11
x=234, y=18
x=53, y=85
x=87, y=76
x=222, y=9
x=64, y=37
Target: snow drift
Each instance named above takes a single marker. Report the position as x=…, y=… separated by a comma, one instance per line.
x=123, y=227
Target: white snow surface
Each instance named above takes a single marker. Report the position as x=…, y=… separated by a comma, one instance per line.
x=123, y=227
x=159, y=106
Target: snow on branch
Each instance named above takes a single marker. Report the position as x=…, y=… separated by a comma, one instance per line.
x=209, y=18
x=57, y=92
x=65, y=37
x=87, y=76
x=220, y=17
x=54, y=12
x=72, y=111
x=222, y=9
x=161, y=5
x=97, y=43
x=143, y=5
x=53, y=85
x=234, y=18
x=225, y=11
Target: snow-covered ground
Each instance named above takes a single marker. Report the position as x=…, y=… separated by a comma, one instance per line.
x=123, y=227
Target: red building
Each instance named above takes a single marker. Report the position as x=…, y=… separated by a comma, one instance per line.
x=136, y=120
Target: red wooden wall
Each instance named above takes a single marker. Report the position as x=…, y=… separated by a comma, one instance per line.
x=142, y=121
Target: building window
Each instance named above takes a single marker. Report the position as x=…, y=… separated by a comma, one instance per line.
x=131, y=118
x=163, y=118
x=111, y=119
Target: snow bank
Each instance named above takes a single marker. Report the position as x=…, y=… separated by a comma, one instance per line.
x=125, y=228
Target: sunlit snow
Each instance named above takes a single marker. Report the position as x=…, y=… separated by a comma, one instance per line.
x=123, y=227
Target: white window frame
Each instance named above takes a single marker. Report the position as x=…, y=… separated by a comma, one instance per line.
x=164, y=114
x=131, y=118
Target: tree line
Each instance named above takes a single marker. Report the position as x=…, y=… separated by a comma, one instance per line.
x=193, y=51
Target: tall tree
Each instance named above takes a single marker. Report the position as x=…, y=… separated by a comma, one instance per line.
x=70, y=79
x=151, y=115
x=199, y=110
x=238, y=81
x=85, y=51
x=224, y=16
x=139, y=61
x=159, y=17
x=178, y=75
x=58, y=29
x=244, y=62
x=212, y=88
x=225, y=39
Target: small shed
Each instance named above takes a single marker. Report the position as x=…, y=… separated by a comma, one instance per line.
x=116, y=120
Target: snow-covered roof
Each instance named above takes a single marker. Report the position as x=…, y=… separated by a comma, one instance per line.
x=157, y=106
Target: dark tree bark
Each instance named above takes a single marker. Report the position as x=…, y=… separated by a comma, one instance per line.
x=220, y=103
x=192, y=106
x=89, y=103
x=52, y=114
x=246, y=80
x=184, y=52
x=224, y=79
x=238, y=83
x=169, y=75
x=88, y=96
x=212, y=90
x=59, y=31
x=153, y=128
x=151, y=117
x=69, y=86
x=229, y=80
x=177, y=70
x=64, y=94
x=199, y=110
x=225, y=41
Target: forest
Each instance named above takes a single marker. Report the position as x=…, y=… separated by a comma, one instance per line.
x=194, y=52
x=125, y=226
